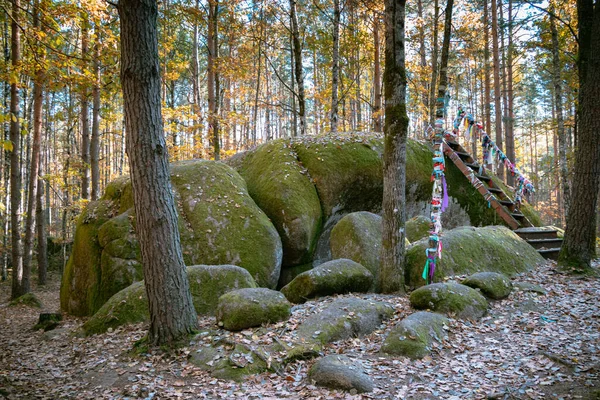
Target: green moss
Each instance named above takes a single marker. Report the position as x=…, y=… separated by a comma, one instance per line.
x=451, y=298
x=281, y=188
x=414, y=335
x=82, y=276
x=289, y=273
x=302, y=351
x=234, y=364
x=248, y=308
x=468, y=250
x=333, y=277
x=417, y=228
x=117, y=274
x=120, y=192
x=28, y=300
x=128, y=306
x=346, y=171
x=493, y=285
x=223, y=224
x=117, y=228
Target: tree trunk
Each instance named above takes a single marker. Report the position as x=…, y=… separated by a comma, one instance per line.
x=391, y=277
x=20, y=283
x=298, y=70
x=423, y=64
x=486, y=62
x=95, y=143
x=42, y=245
x=335, y=68
x=442, y=88
x=213, y=92
x=197, y=152
x=377, y=123
x=434, y=64
x=579, y=246
x=85, y=119
x=172, y=314
x=497, y=91
x=562, y=140
x=510, y=115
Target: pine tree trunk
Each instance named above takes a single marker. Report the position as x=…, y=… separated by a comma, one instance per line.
x=20, y=283
x=562, y=140
x=497, y=91
x=442, y=87
x=377, y=120
x=85, y=119
x=391, y=276
x=172, y=314
x=579, y=246
x=213, y=107
x=423, y=64
x=335, y=68
x=486, y=62
x=197, y=152
x=298, y=70
x=95, y=142
x=434, y=64
x=42, y=244
x=510, y=120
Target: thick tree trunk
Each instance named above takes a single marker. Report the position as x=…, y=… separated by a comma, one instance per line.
x=298, y=70
x=335, y=68
x=95, y=142
x=579, y=246
x=85, y=118
x=434, y=64
x=497, y=91
x=377, y=124
x=172, y=314
x=391, y=277
x=20, y=282
x=442, y=87
x=562, y=140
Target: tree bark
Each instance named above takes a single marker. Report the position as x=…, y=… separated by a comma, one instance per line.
x=434, y=64
x=497, y=91
x=335, y=68
x=172, y=314
x=85, y=119
x=442, y=88
x=562, y=140
x=298, y=70
x=95, y=142
x=213, y=92
x=20, y=282
x=486, y=63
x=42, y=244
x=377, y=123
x=423, y=64
x=510, y=119
x=391, y=277
x=579, y=246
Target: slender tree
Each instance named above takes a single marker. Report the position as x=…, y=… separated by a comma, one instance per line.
x=335, y=67
x=85, y=115
x=172, y=314
x=377, y=125
x=497, y=91
x=95, y=141
x=579, y=246
x=443, y=83
x=298, y=69
x=434, y=63
x=391, y=277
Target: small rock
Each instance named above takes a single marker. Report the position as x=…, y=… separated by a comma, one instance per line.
x=414, y=335
x=529, y=287
x=492, y=284
x=340, y=372
x=247, y=308
x=450, y=297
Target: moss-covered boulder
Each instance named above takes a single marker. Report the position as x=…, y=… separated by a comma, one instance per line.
x=492, y=284
x=247, y=308
x=358, y=237
x=333, y=277
x=451, y=298
x=81, y=281
x=28, y=300
x=281, y=187
x=340, y=372
x=414, y=335
x=288, y=274
x=468, y=250
x=344, y=318
x=417, y=228
x=207, y=284
x=219, y=223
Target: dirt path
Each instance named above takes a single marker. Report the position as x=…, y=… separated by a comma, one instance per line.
x=529, y=346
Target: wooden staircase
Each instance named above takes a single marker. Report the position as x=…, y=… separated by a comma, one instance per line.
x=545, y=240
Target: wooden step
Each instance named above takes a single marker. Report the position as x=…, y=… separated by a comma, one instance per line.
x=453, y=145
x=495, y=190
x=533, y=233
x=483, y=178
x=545, y=244
x=506, y=203
x=474, y=167
x=463, y=155
x=550, y=254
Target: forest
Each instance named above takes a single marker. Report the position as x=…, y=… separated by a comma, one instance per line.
x=233, y=198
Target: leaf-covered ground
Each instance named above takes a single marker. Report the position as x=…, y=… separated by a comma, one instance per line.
x=528, y=346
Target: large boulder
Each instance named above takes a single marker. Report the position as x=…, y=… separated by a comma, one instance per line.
x=219, y=223
x=358, y=237
x=417, y=228
x=344, y=318
x=207, y=284
x=492, y=284
x=247, y=308
x=468, y=250
x=333, y=277
x=282, y=188
x=414, y=336
x=451, y=298
x=340, y=372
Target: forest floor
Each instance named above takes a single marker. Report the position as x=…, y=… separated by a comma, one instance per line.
x=529, y=346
